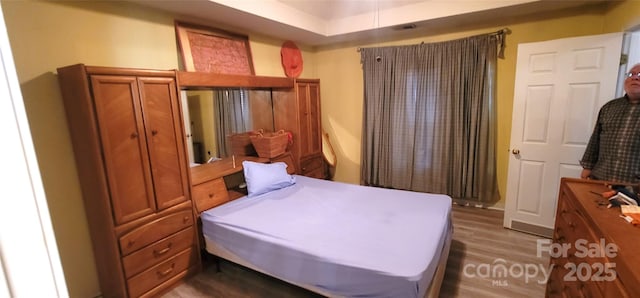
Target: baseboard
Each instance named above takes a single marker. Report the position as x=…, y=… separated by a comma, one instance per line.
x=531, y=229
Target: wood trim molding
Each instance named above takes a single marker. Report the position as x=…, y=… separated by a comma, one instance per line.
x=204, y=80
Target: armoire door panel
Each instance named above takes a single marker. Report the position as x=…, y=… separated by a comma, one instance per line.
x=303, y=108
x=124, y=146
x=315, y=137
x=162, y=124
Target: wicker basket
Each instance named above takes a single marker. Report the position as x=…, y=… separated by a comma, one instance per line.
x=240, y=143
x=270, y=144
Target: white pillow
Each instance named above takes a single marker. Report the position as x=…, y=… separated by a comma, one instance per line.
x=262, y=177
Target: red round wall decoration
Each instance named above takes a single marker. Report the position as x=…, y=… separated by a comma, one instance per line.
x=291, y=59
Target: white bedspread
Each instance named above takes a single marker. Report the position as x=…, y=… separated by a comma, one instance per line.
x=349, y=240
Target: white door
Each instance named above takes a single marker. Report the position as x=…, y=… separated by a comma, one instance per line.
x=560, y=86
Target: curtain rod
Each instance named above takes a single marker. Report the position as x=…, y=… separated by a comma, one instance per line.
x=502, y=31
x=505, y=30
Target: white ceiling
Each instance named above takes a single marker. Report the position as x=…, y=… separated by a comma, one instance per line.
x=327, y=22
x=337, y=9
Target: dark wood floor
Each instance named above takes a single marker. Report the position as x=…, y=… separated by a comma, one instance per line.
x=480, y=244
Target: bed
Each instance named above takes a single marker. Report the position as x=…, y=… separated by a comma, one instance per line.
x=336, y=239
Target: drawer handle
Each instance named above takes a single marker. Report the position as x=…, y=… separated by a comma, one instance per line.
x=211, y=195
x=166, y=272
x=186, y=219
x=158, y=253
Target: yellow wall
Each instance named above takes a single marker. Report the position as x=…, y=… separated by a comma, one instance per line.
x=622, y=17
x=47, y=35
x=209, y=134
x=341, y=74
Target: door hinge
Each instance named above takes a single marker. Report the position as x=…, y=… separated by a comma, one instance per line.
x=624, y=58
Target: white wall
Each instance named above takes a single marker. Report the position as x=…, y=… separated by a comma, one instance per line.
x=634, y=49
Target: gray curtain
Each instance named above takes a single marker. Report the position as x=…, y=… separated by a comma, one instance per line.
x=232, y=115
x=430, y=118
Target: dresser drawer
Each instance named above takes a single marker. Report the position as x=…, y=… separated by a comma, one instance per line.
x=554, y=283
x=313, y=167
x=311, y=164
x=157, y=252
x=210, y=194
x=317, y=173
x=559, y=234
x=612, y=288
x=155, y=230
x=162, y=272
x=574, y=224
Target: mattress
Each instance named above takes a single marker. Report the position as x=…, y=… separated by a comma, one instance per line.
x=346, y=240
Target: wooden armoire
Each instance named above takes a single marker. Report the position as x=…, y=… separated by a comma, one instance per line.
x=129, y=148
x=300, y=113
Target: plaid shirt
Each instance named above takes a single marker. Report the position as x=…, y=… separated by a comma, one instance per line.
x=613, y=152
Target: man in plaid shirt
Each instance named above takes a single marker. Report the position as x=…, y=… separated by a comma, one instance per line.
x=613, y=152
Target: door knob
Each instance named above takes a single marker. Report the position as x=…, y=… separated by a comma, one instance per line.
x=515, y=151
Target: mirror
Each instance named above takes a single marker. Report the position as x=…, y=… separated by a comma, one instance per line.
x=213, y=116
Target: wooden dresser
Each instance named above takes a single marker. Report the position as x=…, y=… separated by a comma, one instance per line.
x=129, y=148
x=602, y=255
